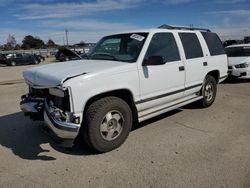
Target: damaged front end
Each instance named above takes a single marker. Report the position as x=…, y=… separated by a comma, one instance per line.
x=53, y=105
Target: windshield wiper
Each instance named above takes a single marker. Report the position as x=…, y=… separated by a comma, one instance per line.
x=102, y=54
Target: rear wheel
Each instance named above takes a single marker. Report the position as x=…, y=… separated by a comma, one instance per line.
x=209, y=91
x=13, y=63
x=108, y=122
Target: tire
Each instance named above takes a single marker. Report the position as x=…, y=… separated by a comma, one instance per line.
x=36, y=62
x=107, y=124
x=208, y=91
x=13, y=63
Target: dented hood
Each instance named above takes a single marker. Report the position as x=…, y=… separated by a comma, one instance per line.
x=52, y=75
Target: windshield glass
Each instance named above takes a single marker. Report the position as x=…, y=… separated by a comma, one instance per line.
x=123, y=47
x=238, y=51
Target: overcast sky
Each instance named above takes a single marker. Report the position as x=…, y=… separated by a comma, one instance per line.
x=88, y=20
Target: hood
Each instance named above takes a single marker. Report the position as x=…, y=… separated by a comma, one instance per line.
x=52, y=75
x=238, y=60
x=68, y=52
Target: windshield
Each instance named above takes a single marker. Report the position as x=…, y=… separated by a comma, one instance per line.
x=238, y=51
x=123, y=47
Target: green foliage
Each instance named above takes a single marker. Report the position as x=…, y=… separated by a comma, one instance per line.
x=32, y=42
x=29, y=42
x=51, y=44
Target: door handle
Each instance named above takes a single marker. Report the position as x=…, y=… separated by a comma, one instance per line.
x=204, y=63
x=181, y=68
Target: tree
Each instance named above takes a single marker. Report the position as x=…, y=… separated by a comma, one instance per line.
x=17, y=47
x=11, y=41
x=82, y=43
x=51, y=43
x=32, y=42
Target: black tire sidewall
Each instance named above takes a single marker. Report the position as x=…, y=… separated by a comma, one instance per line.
x=94, y=135
x=209, y=79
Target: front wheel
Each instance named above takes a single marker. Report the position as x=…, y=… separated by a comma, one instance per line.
x=108, y=122
x=208, y=91
x=13, y=63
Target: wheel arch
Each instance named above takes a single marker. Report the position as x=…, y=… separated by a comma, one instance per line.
x=124, y=94
x=215, y=74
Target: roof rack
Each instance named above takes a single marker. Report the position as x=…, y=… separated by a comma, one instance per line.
x=164, y=26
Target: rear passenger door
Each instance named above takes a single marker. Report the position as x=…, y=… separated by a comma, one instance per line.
x=217, y=59
x=19, y=59
x=160, y=84
x=195, y=63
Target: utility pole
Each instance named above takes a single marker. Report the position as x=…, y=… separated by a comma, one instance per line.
x=66, y=32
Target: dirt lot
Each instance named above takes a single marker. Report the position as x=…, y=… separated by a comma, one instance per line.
x=189, y=147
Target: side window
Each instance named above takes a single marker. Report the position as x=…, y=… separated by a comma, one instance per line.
x=164, y=45
x=19, y=55
x=214, y=43
x=191, y=45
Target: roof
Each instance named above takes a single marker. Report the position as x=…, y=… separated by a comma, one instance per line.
x=174, y=27
x=153, y=30
x=165, y=27
x=239, y=45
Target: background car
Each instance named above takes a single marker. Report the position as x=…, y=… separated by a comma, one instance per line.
x=21, y=59
x=39, y=57
x=2, y=58
x=66, y=54
x=239, y=61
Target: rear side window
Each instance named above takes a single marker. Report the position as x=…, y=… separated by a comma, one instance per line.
x=191, y=45
x=163, y=44
x=214, y=43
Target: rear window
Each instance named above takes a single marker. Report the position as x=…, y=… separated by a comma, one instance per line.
x=238, y=51
x=214, y=43
x=191, y=45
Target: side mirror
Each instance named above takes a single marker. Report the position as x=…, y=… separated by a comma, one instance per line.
x=153, y=60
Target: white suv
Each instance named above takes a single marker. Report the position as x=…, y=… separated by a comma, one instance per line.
x=128, y=77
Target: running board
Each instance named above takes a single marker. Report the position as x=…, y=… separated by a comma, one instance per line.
x=165, y=108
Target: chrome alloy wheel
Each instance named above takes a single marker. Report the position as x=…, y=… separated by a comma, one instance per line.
x=209, y=92
x=112, y=125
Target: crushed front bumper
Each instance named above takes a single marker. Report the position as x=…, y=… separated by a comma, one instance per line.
x=60, y=128
x=63, y=129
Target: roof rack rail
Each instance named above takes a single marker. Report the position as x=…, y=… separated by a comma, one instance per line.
x=164, y=26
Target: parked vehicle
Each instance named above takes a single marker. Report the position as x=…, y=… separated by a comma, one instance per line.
x=21, y=59
x=128, y=77
x=231, y=42
x=39, y=57
x=239, y=61
x=2, y=59
x=66, y=54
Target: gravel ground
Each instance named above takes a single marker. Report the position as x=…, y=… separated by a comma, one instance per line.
x=189, y=147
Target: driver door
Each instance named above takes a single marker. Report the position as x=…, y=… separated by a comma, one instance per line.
x=164, y=82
